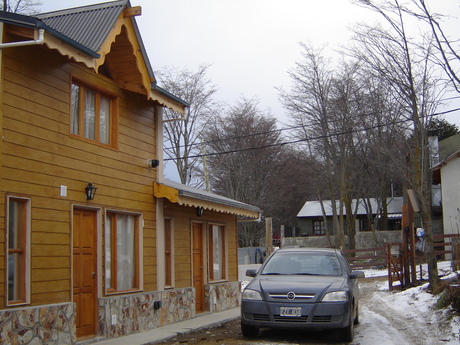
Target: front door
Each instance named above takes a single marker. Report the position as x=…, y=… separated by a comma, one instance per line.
x=84, y=271
x=198, y=265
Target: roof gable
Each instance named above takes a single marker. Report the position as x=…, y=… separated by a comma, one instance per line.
x=87, y=25
x=103, y=37
x=110, y=31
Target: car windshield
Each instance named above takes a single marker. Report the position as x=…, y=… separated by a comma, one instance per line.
x=323, y=264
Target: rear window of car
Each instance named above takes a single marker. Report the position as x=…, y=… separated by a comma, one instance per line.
x=322, y=264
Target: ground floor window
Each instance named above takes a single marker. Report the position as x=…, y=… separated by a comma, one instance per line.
x=319, y=228
x=217, y=252
x=169, y=246
x=122, y=259
x=18, y=233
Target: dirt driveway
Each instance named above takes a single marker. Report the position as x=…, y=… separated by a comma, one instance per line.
x=372, y=315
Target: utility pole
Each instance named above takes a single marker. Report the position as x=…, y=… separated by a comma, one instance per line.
x=268, y=236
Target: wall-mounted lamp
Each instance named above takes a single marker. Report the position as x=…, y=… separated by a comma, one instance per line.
x=153, y=163
x=199, y=211
x=90, y=191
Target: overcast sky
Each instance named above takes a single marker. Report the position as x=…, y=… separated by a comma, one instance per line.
x=251, y=44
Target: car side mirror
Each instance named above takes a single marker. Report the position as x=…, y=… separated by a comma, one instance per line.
x=251, y=272
x=357, y=274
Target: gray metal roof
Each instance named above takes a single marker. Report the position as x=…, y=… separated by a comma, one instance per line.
x=313, y=208
x=208, y=196
x=86, y=25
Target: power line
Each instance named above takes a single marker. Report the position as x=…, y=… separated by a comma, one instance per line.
x=299, y=140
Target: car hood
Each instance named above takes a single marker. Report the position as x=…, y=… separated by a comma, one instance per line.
x=275, y=287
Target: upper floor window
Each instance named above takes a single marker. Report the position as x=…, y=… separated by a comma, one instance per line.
x=92, y=114
x=18, y=249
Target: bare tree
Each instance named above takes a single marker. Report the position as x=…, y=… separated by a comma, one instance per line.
x=244, y=154
x=326, y=107
x=308, y=104
x=381, y=148
x=448, y=48
x=182, y=137
x=389, y=52
x=21, y=6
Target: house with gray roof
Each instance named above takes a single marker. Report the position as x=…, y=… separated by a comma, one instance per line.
x=315, y=221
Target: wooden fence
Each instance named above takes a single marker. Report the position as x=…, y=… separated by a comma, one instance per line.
x=367, y=258
x=392, y=257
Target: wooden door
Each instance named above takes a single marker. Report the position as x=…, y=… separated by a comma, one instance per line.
x=84, y=271
x=198, y=266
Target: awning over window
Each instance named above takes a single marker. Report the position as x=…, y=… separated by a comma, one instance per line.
x=193, y=197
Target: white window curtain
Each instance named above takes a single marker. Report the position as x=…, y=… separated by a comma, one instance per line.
x=104, y=120
x=90, y=114
x=75, y=109
x=108, y=251
x=125, y=252
x=218, y=250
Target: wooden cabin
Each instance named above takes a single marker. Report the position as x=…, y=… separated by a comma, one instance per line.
x=92, y=247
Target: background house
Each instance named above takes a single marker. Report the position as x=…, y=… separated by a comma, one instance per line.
x=80, y=108
x=316, y=215
x=446, y=176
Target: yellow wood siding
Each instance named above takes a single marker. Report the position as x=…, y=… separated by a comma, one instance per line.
x=39, y=155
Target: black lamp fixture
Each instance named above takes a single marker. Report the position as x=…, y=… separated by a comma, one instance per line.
x=153, y=163
x=90, y=191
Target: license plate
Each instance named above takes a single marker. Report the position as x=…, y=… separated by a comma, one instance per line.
x=291, y=311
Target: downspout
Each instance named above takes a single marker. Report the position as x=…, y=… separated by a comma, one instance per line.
x=41, y=38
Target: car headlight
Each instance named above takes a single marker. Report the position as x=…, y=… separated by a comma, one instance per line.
x=252, y=295
x=335, y=296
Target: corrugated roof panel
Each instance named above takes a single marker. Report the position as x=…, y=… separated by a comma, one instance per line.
x=87, y=25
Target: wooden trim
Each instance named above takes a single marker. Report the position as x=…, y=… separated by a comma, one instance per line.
x=24, y=279
x=169, y=252
x=70, y=52
x=138, y=262
x=132, y=11
x=114, y=120
x=223, y=254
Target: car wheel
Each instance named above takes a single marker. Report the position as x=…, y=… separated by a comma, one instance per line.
x=249, y=331
x=357, y=315
x=347, y=334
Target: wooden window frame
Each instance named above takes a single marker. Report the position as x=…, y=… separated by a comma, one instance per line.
x=112, y=242
x=319, y=227
x=24, y=249
x=169, y=253
x=222, y=253
x=113, y=131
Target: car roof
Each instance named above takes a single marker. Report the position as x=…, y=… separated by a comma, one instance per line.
x=308, y=250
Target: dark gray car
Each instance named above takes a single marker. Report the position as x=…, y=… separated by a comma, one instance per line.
x=302, y=288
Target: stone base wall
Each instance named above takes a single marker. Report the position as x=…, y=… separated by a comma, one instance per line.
x=118, y=315
x=127, y=314
x=222, y=296
x=52, y=324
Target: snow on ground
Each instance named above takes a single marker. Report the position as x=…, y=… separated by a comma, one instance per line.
x=399, y=317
